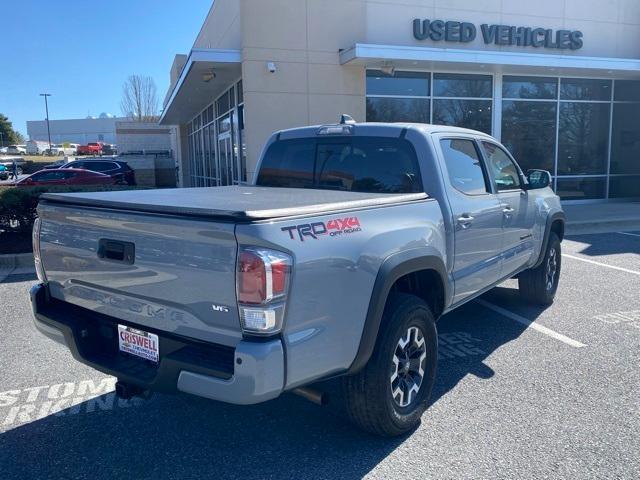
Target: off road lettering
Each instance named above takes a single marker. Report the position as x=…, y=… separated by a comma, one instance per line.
x=334, y=227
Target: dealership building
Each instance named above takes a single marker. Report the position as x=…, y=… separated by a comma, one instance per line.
x=557, y=81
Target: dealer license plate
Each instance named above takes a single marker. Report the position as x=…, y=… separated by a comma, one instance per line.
x=139, y=343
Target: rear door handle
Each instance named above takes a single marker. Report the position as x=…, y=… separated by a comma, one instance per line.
x=465, y=220
x=508, y=210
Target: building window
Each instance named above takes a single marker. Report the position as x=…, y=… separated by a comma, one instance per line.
x=624, y=180
x=397, y=110
x=463, y=100
x=583, y=136
x=585, y=89
x=400, y=84
x=462, y=85
x=457, y=99
x=530, y=88
x=214, y=136
x=582, y=130
x=529, y=111
x=474, y=114
x=402, y=97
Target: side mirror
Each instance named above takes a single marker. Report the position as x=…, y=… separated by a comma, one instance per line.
x=538, y=179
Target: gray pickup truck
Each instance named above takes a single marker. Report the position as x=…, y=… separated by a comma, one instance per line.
x=336, y=262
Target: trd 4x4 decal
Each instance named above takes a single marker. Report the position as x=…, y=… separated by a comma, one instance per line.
x=332, y=228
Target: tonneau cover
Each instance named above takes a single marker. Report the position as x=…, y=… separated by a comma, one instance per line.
x=237, y=202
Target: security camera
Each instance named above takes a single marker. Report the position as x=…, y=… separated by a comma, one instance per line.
x=271, y=66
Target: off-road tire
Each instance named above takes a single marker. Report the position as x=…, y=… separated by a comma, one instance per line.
x=539, y=285
x=369, y=400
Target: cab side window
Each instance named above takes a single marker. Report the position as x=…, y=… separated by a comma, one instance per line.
x=465, y=169
x=501, y=168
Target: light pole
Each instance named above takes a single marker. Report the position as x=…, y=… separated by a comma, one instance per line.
x=1, y=139
x=46, y=107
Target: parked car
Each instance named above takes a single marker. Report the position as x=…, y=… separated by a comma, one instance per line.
x=120, y=171
x=93, y=148
x=109, y=149
x=60, y=149
x=17, y=150
x=71, y=176
x=4, y=172
x=54, y=165
x=3, y=149
x=36, y=147
x=8, y=164
x=353, y=241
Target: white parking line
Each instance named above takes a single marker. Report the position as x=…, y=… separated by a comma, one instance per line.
x=530, y=324
x=627, y=233
x=601, y=264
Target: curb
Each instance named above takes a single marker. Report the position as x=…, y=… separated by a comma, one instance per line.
x=607, y=226
x=12, y=261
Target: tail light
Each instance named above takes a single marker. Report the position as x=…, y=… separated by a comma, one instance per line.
x=35, y=236
x=262, y=284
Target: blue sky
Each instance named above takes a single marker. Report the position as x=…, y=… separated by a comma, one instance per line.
x=82, y=51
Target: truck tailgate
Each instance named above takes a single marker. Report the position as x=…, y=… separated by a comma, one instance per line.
x=164, y=272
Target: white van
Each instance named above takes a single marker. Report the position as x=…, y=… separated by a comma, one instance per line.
x=36, y=147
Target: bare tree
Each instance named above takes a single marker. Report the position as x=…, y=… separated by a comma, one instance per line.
x=139, y=99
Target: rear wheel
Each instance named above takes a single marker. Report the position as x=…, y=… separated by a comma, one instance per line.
x=539, y=285
x=390, y=394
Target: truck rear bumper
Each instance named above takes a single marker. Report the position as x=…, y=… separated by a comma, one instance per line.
x=252, y=372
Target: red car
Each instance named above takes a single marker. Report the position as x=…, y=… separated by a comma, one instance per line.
x=92, y=148
x=68, y=176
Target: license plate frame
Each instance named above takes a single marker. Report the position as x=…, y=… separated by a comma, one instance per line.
x=139, y=343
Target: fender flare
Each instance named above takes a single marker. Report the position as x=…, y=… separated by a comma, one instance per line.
x=393, y=268
x=547, y=231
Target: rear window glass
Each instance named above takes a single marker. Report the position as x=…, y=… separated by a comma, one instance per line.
x=357, y=164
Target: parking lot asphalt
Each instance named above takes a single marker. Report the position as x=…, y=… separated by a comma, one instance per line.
x=521, y=392
x=11, y=181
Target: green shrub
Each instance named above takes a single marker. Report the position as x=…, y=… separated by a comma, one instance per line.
x=18, y=205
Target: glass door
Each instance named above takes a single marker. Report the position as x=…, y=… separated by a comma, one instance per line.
x=227, y=151
x=225, y=156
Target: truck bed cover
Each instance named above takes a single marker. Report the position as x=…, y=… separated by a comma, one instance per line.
x=241, y=203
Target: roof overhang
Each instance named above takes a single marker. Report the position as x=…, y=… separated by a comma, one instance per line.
x=407, y=57
x=196, y=87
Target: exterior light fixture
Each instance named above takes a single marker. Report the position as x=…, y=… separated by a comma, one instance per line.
x=388, y=69
x=208, y=75
x=271, y=66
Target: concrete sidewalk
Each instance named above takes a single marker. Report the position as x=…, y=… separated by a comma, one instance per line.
x=16, y=264
x=602, y=217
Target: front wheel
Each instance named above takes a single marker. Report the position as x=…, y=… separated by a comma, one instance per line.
x=390, y=394
x=539, y=285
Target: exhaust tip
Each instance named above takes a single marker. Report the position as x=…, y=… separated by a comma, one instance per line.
x=314, y=396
